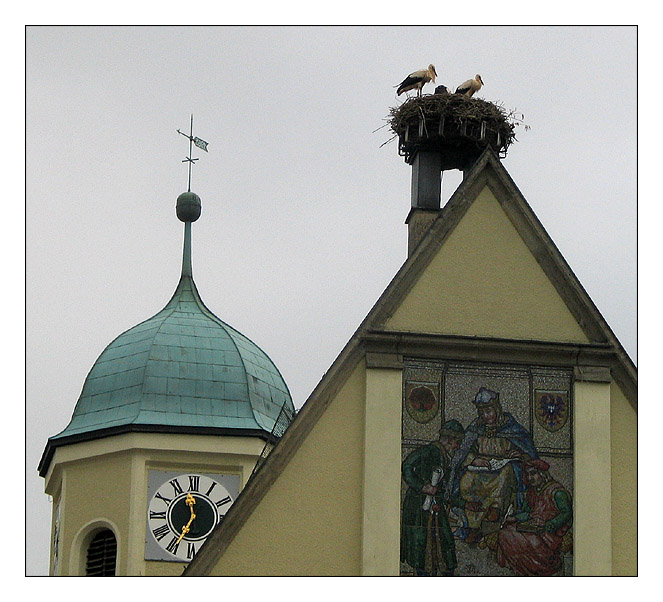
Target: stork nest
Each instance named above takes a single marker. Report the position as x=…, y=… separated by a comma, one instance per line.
x=452, y=123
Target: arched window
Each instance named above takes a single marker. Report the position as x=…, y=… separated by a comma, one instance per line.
x=101, y=555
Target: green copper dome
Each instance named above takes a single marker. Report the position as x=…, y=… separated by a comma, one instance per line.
x=182, y=370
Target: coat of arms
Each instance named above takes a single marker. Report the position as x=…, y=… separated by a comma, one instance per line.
x=551, y=409
x=421, y=403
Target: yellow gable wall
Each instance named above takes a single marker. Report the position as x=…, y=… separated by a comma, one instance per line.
x=309, y=522
x=624, y=464
x=485, y=282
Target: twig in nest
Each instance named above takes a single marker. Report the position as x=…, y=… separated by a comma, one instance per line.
x=388, y=141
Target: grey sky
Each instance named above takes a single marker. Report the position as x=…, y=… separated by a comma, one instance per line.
x=303, y=211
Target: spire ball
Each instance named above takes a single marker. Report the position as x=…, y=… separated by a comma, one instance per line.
x=188, y=207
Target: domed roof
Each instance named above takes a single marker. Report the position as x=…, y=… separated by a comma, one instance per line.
x=182, y=370
x=183, y=367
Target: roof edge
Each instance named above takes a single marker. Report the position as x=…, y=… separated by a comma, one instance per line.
x=52, y=444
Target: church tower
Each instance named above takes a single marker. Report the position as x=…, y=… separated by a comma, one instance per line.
x=171, y=421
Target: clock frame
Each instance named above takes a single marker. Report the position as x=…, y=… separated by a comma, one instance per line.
x=176, y=529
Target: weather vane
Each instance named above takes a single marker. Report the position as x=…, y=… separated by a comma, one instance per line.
x=199, y=142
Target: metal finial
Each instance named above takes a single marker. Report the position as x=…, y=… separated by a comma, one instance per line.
x=199, y=142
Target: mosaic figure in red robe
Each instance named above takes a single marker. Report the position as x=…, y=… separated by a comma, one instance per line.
x=530, y=542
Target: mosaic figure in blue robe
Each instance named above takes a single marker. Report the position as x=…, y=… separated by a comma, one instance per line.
x=487, y=468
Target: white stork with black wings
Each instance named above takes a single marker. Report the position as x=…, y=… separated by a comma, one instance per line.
x=469, y=87
x=417, y=79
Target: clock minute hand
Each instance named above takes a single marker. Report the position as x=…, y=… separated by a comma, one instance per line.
x=190, y=501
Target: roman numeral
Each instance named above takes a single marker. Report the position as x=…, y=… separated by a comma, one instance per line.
x=191, y=551
x=154, y=514
x=173, y=545
x=225, y=500
x=161, y=532
x=165, y=499
x=194, y=482
x=177, y=488
x=212, y=486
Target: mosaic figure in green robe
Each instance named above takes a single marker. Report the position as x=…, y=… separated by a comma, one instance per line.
x=427, y=543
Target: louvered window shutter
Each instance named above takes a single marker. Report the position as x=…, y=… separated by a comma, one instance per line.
x=101, y=555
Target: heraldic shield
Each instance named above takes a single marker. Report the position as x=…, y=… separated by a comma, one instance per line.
x=551, y=409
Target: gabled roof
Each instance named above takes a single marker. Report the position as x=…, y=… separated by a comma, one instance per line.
x=489, y=171
x=603, y=347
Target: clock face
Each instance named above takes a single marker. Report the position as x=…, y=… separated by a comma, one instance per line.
x=183, y=511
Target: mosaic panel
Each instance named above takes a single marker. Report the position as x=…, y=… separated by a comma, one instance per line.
x=487, y=470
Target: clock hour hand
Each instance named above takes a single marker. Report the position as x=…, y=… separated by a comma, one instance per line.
x=190, y=501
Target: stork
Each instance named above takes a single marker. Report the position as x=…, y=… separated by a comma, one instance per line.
x=471, y=86
x=417, y=79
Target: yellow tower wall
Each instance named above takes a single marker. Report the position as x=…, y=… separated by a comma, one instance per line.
x=103, y=483
x=95, y=493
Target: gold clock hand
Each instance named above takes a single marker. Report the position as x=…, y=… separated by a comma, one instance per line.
x=190, y=501
x=185, y=530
